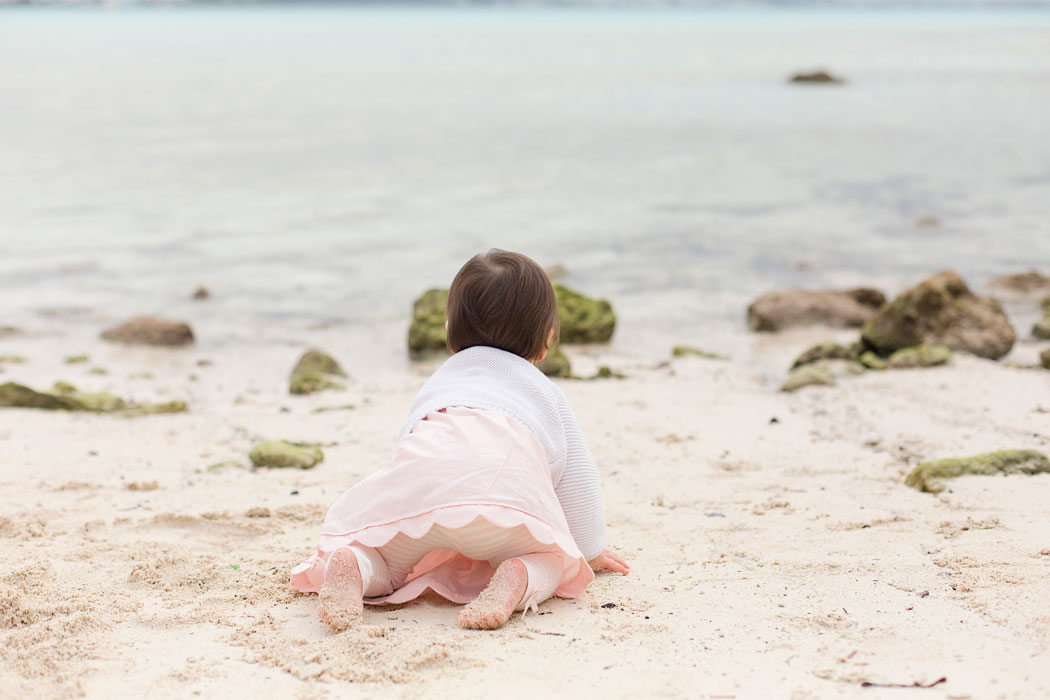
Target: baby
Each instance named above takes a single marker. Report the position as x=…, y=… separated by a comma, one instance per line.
x=492, y=497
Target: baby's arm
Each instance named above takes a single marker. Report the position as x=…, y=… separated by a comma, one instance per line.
x=581, y=499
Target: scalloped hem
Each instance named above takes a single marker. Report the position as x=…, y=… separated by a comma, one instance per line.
x=446, y=572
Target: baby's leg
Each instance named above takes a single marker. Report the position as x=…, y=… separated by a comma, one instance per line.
x=518, y=583
x=352, y=573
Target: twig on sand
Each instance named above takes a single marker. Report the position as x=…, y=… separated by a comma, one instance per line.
x=916, y=684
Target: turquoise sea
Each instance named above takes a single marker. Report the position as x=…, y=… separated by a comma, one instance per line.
x=327, y=164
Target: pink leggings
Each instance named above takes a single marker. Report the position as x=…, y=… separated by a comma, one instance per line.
x=384, y=570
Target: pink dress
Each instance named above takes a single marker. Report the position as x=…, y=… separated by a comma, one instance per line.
x=457, y=467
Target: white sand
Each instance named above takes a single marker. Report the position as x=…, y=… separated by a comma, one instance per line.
x=769, y=560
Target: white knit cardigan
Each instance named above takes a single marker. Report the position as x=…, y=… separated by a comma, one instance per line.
x=493, y=379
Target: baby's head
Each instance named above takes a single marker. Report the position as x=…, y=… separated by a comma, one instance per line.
x=503, y=300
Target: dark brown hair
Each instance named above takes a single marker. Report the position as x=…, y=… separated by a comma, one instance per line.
x=503, y=300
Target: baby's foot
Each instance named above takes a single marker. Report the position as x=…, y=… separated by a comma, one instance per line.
x=496, y=603
x=340, y=599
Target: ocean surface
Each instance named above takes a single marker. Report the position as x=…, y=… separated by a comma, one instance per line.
x=325, y=165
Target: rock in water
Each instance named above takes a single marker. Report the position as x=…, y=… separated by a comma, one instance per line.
x=146, y=330
x=201, y=293
x=941, y=311
x=426, y=333
x=829, y=351
x=805, y=307
x=583, y=320
x=810, y=375
x=819, y=77
x=930, y=476
x=1029, y=284
x=66, y=397
x=279, y=453
x=314, y=372
x=556, y=364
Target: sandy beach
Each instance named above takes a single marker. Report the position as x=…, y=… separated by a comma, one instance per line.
x=775, y=550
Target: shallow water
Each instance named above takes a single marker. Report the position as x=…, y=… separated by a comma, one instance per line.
x=328, y=164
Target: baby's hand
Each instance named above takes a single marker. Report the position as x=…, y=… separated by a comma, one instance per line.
x=610, y=561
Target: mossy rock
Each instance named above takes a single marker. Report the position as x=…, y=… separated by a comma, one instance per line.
x=690, y=351
x=941, y=311
x=77, y=359
x=556, y=364
x=828, y=351
x=1045, y=303
x=919, y=356
x=1044, y=357
x=280, y=453
x=930, y=476
x=314, y=372
x=606, y=372
x=427, y=332
x=1041, y=329
x=583, y=319
x=66, y=397
x=809, y=375
x=872, y=361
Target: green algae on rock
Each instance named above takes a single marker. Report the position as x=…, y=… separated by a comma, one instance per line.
x=556, y=364
x=828, y=351
x=583, y=320
x=690, y=351
x=77, y=359
x=809, y=375
x=919, y=356
x=606, y=372
x=1041, y=329
x=280, y=453
x=426, y=333
x=1044, y=357
x=872, y=361
x=941, y=311
x=314, y=372
x=930, y=476
x=66, y=397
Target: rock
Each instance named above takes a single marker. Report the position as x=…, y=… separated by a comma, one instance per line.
x=1044, y=303
x=1029, y=284
x=77, y=359
x=817, y=77
x=146, y=330
x=12, y=359
x=583, y=320
x=873, y=361
x=810, y=375
x=556, y=364
x=279, y=453
x=9, y=331
x=314, y=372
x=1041, y=329
x=426, y=333
x=201, y=294
x=606, y=372
x=929, y=476
x=66, y=397
x=927, y=222
x=803, y=307
x=556, y=271
x=828, y=351
x=941, y=311
x=919, y=356
x=689, y=351
x=1044, y=357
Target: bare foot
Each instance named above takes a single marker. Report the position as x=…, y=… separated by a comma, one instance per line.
x=496, y=603
x=340, y=599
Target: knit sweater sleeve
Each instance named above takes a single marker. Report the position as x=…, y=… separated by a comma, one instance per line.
x=578, y=490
